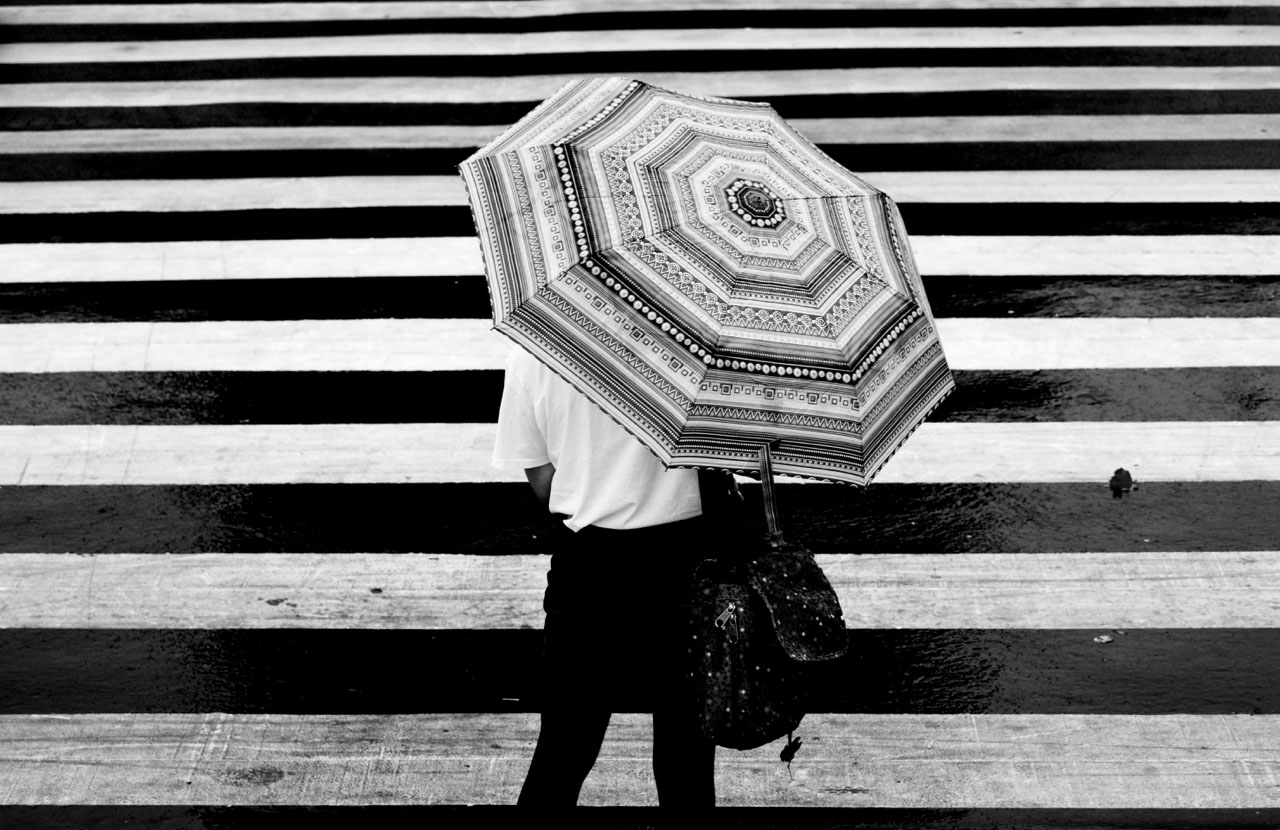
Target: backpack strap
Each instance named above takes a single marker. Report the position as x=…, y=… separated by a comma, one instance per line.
x=772, y=525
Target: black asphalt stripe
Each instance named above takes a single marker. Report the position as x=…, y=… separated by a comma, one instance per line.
x=273, y=114
x=630, y=63
x=864, y=105
x=1085, y=219
x=901, y=671
x=466, y=297
x=104, y=817
x=504, y=519
x=1233, y=393
x=993, y=155
x=232, y=163
x=161, y=398
x=1060, y=155
x=175, y=301
x=250, y=397
x=952, y=219
x=1029, y=102
x=658, y=19
x=1146, y=296
x=267, y=223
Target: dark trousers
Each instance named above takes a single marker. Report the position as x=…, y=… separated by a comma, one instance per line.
x=614, y=638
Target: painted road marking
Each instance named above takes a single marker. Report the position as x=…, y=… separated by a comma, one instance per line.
x=404, y=345
x=939, y=129
x=1127, y=590
x=956, y=453
x=886, y=761
x=643, y=40
x=1196, y=255
x=946, y=186
x=746, y=85
x=254, y=12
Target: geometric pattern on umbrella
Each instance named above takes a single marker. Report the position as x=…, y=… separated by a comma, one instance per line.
x=708, y=277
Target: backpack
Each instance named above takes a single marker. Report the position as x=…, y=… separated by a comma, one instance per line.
x=754, y=621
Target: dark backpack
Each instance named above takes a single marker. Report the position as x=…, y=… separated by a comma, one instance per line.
x=755, y=620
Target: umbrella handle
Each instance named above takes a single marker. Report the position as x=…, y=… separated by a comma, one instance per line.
x=772, y=525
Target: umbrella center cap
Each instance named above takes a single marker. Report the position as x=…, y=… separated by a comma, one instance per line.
x=755, y=202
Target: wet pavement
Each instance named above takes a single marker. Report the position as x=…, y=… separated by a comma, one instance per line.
x=631, y=818
x=502, y=519
x=978, y=671
x=1152, y=671
x=214, y=397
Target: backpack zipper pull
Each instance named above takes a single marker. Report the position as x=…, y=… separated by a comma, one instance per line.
x=728, y=620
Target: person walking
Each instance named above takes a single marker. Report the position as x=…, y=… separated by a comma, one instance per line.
x=691, y=294
x=632, y=533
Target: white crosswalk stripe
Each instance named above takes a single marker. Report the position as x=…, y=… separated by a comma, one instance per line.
x=453, y=345
x=460, y=256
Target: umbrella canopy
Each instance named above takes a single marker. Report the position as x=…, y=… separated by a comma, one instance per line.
x=708, y=277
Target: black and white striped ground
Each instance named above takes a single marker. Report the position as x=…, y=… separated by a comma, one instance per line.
x=257, y=567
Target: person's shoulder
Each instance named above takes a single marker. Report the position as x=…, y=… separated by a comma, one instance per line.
x=517, y=359
x=536, y=375
x=524, y=368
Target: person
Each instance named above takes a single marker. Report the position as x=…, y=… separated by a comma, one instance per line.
x=633, y=533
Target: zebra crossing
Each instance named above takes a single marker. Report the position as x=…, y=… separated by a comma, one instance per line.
x=256, y=566
x=1131, y=589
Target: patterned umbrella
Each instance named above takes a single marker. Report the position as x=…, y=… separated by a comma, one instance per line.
x=710, y=278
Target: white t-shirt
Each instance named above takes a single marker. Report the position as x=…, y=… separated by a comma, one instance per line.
x=604, y=476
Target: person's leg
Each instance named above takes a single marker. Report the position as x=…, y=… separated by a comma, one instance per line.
x=683, y=761
x=568, y=744
x=574, y=718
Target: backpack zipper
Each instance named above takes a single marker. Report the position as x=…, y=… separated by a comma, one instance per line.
x=728, y=621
